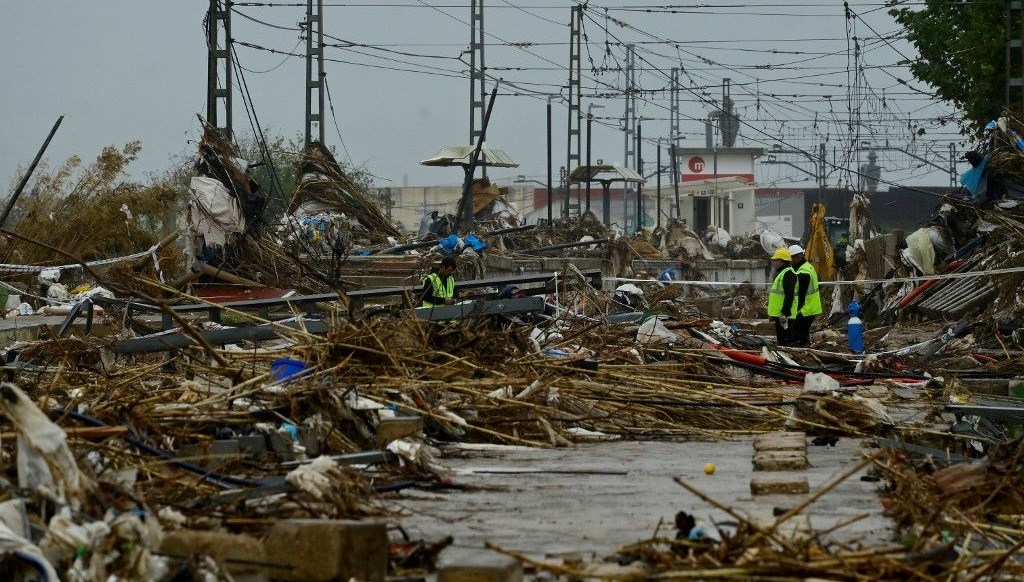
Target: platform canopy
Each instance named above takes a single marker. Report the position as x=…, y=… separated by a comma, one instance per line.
x=459, y=155
x=605, y=173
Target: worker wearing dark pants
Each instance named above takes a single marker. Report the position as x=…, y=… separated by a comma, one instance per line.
x=782, y=297
x=808, y=299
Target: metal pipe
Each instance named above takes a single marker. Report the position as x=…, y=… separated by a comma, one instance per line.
x=28, y=173
x=474, y=159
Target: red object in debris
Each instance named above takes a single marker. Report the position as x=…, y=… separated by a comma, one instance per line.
x=950, y=268
x=747, y=357
x=224, y=293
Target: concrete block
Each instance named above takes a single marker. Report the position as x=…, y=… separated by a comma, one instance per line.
x=780, y=461
x=319, y=550
x=243, y=556
x=985, y=386
x=482, y=567
x=222, y=450
x=255, y=444
x=780, y=483
x=781, y=441
x=391, y=429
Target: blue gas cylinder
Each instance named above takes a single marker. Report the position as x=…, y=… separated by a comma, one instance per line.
x=855, y=328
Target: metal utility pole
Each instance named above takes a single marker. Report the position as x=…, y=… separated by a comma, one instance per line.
x=657, y=213
x=629, y=119
x=673, y=128
x=218, y=55
x=575, y=112
x=314, y=26
x=640, y=171
x=590, y=129
x=550, y=201
x=673, y=135
x=821, y=171
x=675, y=176
x=1015, y=55
x=477, y=70
x=952, y=164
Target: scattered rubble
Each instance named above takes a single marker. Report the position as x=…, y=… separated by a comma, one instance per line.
x=176, y=435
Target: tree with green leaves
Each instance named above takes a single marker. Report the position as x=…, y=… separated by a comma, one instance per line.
x=962, y=53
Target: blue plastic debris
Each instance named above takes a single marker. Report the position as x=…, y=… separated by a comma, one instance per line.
x=286, y=369
x=974, y=179
x=449, y=244
x=475, y=243
x=291, y=429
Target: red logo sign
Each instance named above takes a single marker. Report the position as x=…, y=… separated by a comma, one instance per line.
x=696, y=164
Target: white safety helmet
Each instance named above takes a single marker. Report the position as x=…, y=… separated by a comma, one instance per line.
x=796, y=250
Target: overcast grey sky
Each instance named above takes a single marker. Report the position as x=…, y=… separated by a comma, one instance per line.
x=136, y=69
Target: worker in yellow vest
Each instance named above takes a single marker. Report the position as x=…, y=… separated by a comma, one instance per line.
x=781, y=297
x=439, y=284
x=808, y=299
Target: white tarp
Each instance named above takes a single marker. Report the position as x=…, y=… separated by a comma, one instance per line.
x=215, y=212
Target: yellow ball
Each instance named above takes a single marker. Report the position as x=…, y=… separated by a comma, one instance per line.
x=709, y=468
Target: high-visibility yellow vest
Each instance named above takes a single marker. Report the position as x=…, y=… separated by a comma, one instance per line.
x=812, y=301
x=776, y=297
x=445, y=290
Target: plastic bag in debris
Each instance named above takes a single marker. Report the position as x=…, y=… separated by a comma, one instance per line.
x=475, y=243
x=39, y=437
x=22, y=559
x=315, y=478
x=57, y=293
x=587, y=238
x=49, y=276
x=451, y=244
x=653, y=332
x=722, y=330
x=415, y=452
x=974, y=180
x=64, y=538
x=771, y=241
x=920, y=251
x=93, y=546
x=720, y=238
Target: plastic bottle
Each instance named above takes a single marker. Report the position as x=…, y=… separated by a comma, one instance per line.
x=855, y=328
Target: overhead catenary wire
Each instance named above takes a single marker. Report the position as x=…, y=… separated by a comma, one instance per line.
x=779, y=118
